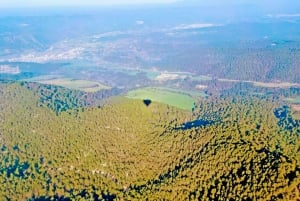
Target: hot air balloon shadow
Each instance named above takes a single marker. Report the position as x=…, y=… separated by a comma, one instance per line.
x=147, y=102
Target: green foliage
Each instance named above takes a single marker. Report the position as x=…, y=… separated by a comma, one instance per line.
x=162, y=95
x=286, y=120
x=61, y=99
x=127, y=151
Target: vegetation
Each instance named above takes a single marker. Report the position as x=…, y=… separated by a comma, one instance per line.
x=252, y=60
x=295, y=106
x=83, y=85
x=163, y=95
x=61, y=99
x=125, y=150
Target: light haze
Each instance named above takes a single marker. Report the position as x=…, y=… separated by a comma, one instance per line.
x=35, y=3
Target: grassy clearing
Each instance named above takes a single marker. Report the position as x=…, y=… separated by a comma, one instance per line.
x=164, y=95
x=195, y=93
x=82, y=85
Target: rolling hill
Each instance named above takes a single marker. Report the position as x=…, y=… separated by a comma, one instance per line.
x=125, y=150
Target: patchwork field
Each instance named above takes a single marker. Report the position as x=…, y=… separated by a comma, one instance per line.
x=164, y=95
x=82, y=85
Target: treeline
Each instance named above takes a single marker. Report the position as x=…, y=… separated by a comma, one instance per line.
x=61, y=99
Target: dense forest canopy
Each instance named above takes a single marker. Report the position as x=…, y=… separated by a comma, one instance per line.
x=127, y=150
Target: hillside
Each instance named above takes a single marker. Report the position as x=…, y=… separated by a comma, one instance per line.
x=125, y=150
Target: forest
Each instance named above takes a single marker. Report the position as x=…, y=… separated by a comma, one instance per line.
x=61, y=144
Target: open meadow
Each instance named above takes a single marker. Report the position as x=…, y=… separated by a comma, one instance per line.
x=167, y=96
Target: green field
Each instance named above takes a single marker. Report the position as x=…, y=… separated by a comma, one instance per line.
x=194, y=93
x=82, y=85
x=164, y=95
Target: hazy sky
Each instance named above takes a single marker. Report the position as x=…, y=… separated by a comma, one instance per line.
x=26, y=3
x=265, y=4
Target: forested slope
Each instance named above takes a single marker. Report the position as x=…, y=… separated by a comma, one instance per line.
x=255, y=61
x=125, y=150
